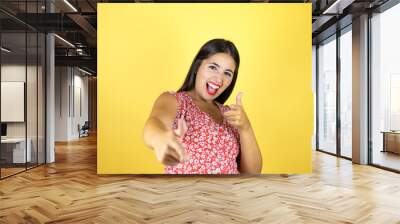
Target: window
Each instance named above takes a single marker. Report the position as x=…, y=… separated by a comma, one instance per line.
x=346, y=93
x=327, y=95
x=385, y=88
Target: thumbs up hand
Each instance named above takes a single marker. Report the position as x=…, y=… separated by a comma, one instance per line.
x=236, y=115
x=239, y=99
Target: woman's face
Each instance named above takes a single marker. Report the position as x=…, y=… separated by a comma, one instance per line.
x=214, y=75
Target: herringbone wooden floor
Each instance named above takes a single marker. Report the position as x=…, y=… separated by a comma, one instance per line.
x=70, y=191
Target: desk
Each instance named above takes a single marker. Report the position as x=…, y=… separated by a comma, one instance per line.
x=391, y=141
x=17, y=150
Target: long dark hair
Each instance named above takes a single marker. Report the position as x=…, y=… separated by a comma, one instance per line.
x=207, y=50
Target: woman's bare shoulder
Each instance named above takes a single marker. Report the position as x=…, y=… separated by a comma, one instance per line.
x=165, y=108
x=167, y=96
x=167, y=99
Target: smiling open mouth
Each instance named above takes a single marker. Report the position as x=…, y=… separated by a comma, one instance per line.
x=212, y=88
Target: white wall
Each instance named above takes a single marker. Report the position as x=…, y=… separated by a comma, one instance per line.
x=12, y=101
x=13, y=73
x=62, y=81
x=71, y=93
x=80, y=83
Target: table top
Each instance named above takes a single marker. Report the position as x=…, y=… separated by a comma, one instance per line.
x=391, y=132
x=13, y=140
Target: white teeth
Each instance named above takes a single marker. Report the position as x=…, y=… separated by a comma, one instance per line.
x=213, y=86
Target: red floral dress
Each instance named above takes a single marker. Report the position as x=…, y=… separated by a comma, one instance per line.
x=212, y=147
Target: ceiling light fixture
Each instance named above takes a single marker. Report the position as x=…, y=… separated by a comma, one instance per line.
x=5, y=50
x=338, y=6
x=70, y=5
x=64, y=40
x=84, y=71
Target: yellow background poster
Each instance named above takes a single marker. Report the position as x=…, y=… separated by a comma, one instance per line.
x=146, y=49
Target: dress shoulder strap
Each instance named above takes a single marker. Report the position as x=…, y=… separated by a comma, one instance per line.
x=182, y=101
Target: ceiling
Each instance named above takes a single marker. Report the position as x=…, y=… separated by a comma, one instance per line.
x=76, y=22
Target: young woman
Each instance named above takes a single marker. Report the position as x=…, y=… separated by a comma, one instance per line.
x=192, y=132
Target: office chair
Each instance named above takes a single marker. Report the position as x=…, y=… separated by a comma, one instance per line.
x=84, y=130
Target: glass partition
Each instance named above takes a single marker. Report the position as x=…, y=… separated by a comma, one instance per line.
x=13, y=99
x=22, y=77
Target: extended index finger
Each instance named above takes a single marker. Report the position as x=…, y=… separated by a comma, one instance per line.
x=179, y=148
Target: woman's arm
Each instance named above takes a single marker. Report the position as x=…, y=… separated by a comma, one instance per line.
x=158, y=133
x=161, y=118
x=250, y=155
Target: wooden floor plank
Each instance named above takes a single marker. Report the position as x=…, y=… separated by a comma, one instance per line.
x=70, y=191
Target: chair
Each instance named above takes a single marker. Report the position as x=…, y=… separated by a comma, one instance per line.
x=84, y=130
